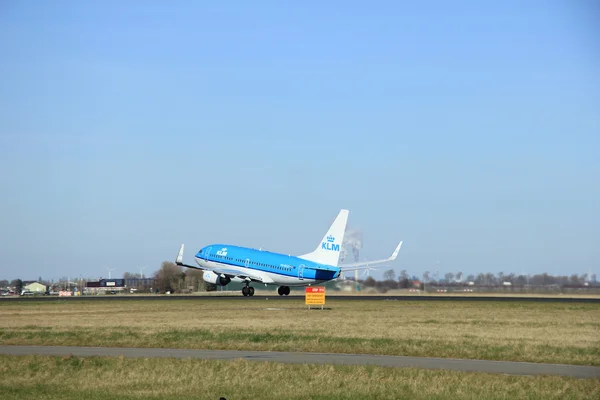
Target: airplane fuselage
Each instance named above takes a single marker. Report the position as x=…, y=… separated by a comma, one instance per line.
x=272, y=268
x=224, y=263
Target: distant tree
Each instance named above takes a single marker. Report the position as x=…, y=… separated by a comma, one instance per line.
x=480, y=280
x=547, y=279
x=593, y=278
x=426, y=276
x=3, y=283
x=449, y=277
x=459, y=276
x=404, y=280
x=168, y=277
x=131, y=275
x=193, y=280
x=471, y=278
x=369, y=282
x=500, y=277
x=575, y=280
x=383, y=287
x=536, y=279
x=389, y=275
x=510, y=278
x=17, y=284
x=520, y=280
x=64, y=283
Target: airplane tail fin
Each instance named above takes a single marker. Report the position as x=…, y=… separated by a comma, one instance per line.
x=328, y=251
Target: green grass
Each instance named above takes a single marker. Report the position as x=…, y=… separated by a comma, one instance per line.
x=536, y=332
x=54, y=378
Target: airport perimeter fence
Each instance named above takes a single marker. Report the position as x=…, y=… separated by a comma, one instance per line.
x=514, y=289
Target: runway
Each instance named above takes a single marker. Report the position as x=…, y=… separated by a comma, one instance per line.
x=500, y=367
x=262, y=297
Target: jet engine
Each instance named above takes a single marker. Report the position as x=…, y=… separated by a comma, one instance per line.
x=215, y=279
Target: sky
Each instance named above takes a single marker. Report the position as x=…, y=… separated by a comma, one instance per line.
x=470, y=130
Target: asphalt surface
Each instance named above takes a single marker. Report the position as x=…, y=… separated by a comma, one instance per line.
x=500, y=367
x=274, y=296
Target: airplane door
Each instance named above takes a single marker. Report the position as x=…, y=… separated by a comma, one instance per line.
x=301, y=272
x=207, y=253
x=247, y=263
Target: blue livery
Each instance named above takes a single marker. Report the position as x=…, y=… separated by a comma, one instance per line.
x=224, y=263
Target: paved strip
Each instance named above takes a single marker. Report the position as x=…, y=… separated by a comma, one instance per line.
x=263, y=297
x=501, y=367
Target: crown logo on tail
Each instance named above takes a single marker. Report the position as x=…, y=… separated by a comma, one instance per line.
x=330, y=239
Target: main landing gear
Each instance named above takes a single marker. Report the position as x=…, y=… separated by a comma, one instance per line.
x=248, y=290
x=283, y=290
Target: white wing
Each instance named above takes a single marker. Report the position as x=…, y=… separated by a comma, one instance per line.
x=368, y=264
x=237, y=274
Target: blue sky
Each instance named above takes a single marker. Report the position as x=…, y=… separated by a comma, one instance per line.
x=470, y=130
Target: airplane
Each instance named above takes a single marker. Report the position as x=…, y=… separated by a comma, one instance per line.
x=224, y=263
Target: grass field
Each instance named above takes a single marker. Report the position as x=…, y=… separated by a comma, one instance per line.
x=54, y=378
x=538, y=332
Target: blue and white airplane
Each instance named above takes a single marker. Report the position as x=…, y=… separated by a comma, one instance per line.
x=223, y=263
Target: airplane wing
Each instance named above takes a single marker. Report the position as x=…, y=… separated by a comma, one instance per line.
x=237, y=275
x=321, y=268
x=367, y=264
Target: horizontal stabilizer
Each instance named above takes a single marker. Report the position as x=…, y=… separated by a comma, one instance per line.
x=179, y=260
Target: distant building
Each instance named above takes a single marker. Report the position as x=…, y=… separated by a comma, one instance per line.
x=140, y=282
x=34, y=287
x=105, y=285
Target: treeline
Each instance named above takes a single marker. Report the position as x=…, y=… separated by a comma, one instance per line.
x=493, y=279
x=521, y=279
x=170, y=277
x=405, y=281
x=17, y=284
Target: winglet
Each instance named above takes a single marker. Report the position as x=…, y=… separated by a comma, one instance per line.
x=395, y=253
x=179, y=259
